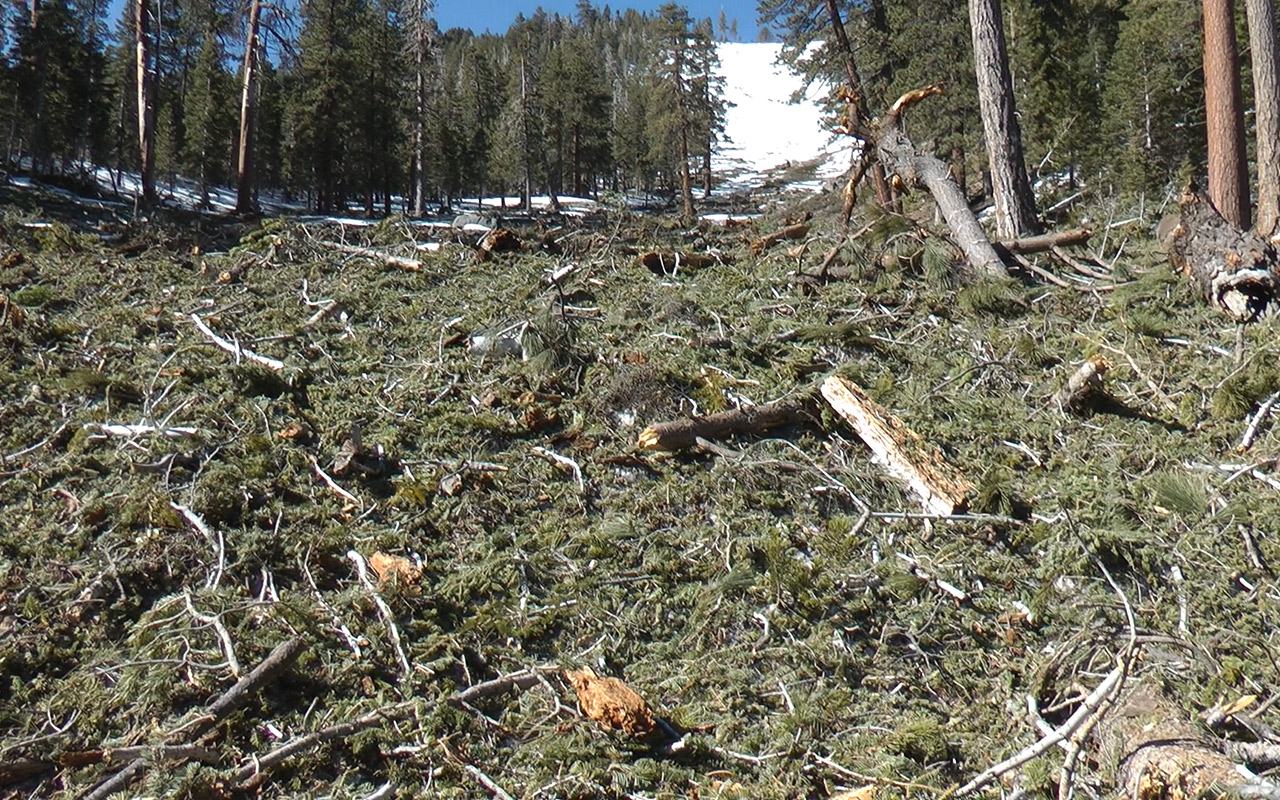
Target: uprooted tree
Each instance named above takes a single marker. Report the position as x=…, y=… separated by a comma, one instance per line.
x=1234, y=270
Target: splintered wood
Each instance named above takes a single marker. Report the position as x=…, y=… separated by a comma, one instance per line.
x=941, y=488
x=1084, y=386
x=395, y=568
x=611, y=702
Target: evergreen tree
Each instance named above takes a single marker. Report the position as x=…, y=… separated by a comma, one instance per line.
x=673, y=120
x=207, y=111
x=707, y=97
x=1152, y=97
x=323, y=107
x=375, y=151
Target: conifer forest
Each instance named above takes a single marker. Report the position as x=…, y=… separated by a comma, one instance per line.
x=397, y=412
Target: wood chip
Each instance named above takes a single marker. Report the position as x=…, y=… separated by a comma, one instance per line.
x=611, y=702
x=397, y=568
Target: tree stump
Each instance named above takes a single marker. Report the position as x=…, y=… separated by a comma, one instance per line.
x=1235, y=270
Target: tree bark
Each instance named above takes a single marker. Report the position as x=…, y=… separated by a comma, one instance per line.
x=1265, y=54
x=918, y=168
x=146, y=99
x=248, y=84
x=1015, y=203
x=1234, y=270
x=1224, y=114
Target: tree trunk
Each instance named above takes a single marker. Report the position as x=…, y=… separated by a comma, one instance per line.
x=919, y=168
x=686, y=179
x=1266, y=100
x=146, y=100
x=528, y=139
x=39, y=65
x=1224, y=114
x=1011, y=190
x=248, y=84
x=1234, y=270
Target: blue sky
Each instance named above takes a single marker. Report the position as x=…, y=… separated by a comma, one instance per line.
x=496, y=15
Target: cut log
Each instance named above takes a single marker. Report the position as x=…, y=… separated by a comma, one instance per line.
x=1159, y=754
x=941, y=488
x=1234, y=270
x=684, y=433
x=669, y=263
x=797, y=231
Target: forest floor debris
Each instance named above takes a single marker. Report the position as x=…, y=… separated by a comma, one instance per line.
x=428, y=482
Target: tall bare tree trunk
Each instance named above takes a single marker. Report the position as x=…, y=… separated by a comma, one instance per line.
x=1224, y=114
x=1265, y=53
x=527, y=135
x=1011, y=190
x=419, y=40
x=244, y=159
x=36, y=144
x=146, y=100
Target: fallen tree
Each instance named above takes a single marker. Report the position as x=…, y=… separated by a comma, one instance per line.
x=919, y=168
x=1160, y=755
x=1234, y=269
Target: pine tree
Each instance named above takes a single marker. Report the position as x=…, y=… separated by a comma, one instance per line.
x=1152, y=100
x=707, y=97
x=673, y=120
x=1224, y=114
x=207, y=113
x=323, y=107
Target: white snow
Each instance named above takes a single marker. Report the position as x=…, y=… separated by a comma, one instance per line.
x=765, y=131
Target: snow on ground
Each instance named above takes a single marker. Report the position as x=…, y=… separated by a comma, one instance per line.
x=765, y=135
x=765, y=131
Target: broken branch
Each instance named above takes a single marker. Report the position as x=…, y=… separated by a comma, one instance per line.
x=234, y=348
x=683, y=433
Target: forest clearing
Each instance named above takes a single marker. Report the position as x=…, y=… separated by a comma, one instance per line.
x=952, y=474
x=400, y=490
